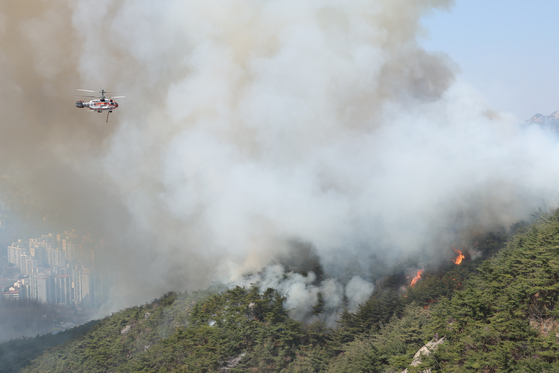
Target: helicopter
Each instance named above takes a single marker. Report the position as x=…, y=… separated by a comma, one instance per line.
x=100, y=104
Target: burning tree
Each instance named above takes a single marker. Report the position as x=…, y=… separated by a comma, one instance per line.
x=459, y=258
x=416, y=278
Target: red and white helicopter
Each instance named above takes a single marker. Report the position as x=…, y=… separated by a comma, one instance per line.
x=100, y=104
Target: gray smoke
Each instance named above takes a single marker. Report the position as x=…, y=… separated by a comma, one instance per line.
x=302, y=293
x=251, y=127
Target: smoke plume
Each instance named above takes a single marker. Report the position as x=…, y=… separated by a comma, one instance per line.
x=253, y=130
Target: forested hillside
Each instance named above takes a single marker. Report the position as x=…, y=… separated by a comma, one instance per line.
x=497, y=313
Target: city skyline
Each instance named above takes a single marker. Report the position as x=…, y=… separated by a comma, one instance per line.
x=54, y=270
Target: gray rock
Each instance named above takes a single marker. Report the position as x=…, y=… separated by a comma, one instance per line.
x=231, y=363
x=425, y=351
x=125, y=330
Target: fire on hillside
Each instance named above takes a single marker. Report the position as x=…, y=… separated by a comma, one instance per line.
x=459, y=258
x=416, y=278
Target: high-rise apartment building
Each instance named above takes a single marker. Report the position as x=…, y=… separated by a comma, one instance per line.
x=63, y=289
x=15, y=251
x=60, y=270
x=43, y=288
x=82, y=287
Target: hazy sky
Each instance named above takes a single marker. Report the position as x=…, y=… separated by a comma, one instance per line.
x=507, y=49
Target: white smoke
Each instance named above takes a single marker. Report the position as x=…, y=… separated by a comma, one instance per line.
x=302, y=293
x=357, y=292
x=249, y=126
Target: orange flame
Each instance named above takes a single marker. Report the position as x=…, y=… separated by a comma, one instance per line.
x=460, y=256
x=416, y=278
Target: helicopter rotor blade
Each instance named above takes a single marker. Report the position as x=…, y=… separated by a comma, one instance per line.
x=118, y=96
x=102, y=91
x=85, y=96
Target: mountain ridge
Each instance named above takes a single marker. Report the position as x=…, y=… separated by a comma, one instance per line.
x=550, y=121
x=492, y=312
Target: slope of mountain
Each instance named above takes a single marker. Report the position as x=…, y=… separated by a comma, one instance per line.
x=496, y=315
x=506, y=318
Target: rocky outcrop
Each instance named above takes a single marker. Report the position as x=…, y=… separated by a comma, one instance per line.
x=425, y=351
x=546, y=326
x=231, y=363
x=125, y=330
x=550, y=122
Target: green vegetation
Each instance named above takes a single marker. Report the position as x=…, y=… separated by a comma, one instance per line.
x=116, y=340
x=505, y=318
x=497, y=315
